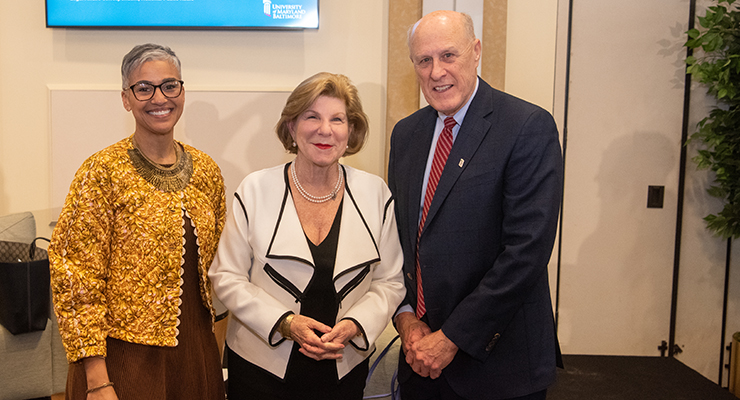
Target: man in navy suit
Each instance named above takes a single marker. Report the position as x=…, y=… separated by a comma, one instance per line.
x=483, y=328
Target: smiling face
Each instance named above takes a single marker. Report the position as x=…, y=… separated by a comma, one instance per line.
x=321, y=132
x=445, y=59
x=158, y=115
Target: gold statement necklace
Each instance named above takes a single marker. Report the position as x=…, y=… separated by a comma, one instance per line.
x=165, y=178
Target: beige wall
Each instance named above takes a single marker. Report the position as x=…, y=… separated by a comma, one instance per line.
x=351, y=40
x=530, y=50
x=703, y=257
x=624, y=133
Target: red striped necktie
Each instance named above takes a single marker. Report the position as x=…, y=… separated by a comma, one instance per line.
x=444, y=145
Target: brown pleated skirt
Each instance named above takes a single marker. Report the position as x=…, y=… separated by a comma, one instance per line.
x=190, y=370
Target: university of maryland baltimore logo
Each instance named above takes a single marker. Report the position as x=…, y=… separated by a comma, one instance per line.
x=283, y=11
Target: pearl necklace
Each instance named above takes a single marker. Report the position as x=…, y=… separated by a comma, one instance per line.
x=310, y=197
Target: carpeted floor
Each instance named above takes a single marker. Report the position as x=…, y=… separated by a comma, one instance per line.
x=589, y=378
x=592, y=378
x=632, y=378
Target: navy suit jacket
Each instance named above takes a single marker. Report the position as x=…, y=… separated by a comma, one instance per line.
x=487, y=241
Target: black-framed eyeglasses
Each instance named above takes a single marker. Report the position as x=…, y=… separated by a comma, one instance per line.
x=144, y=91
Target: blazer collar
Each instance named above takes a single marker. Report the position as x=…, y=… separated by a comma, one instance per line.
x=356, y=247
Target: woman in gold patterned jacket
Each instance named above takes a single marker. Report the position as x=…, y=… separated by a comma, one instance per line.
x=131, y=251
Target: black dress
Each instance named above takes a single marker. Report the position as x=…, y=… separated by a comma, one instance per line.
x=305, y=378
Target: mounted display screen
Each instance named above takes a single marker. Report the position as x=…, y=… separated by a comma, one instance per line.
x=197, y=14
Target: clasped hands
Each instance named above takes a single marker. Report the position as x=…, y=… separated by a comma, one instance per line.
x=427, y=352
x=329, y=345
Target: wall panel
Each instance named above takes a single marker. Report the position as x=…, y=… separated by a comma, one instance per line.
x=624, y=130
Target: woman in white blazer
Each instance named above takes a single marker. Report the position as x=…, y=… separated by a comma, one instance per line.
x=309, y=262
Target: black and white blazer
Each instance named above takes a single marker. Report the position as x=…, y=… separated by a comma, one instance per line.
x=263, y=265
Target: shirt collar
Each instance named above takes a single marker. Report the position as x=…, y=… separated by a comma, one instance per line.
x=460, y=114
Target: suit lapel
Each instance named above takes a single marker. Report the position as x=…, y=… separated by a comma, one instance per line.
x=472, y=132
x=356, y=243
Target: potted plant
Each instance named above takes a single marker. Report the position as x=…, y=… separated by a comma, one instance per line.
x=718, y=67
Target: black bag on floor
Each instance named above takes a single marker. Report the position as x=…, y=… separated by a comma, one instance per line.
x=24, y=287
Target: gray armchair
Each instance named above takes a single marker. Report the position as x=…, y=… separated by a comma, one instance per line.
x=32, y=364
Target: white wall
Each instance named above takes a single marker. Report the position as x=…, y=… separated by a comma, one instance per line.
x=703, y=257
x=624, y=133
x=530, y=44
x=352, y=40
x=701, y=279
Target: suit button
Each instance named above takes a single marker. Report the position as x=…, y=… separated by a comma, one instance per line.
x=492, y=343
x=410, y=276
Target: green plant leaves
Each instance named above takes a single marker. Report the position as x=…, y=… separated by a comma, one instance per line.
x=718, y=67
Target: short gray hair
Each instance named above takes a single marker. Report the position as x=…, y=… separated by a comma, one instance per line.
x=143, y=53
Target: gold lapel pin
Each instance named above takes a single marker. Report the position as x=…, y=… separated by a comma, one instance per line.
x=461, y=163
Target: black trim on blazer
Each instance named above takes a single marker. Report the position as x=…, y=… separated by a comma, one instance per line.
x=286, y=193
x=275, y=328
x=351, y=285
x=359, y=212
x=387, y=205
x=362, y=334
x=241, y=204
x=282, y=207
x=284, y=283
x=287, y=285
x=344, y=291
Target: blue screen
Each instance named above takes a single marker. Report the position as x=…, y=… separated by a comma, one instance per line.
x=296, y=14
